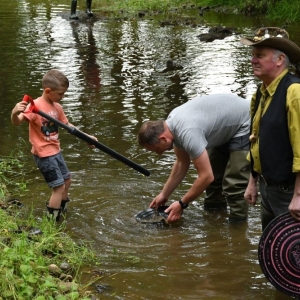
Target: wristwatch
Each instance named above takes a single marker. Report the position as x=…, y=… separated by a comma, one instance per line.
x=183, y=205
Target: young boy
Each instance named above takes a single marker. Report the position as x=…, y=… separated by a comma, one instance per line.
x=43, y=136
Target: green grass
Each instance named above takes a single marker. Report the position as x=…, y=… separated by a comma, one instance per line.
x=286, y=9
x=137, y=5
x=12, y=175
x=29, y=246
x=26, y=257
x=283, y=10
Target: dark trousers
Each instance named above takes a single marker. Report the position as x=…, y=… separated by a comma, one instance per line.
x=275, y=200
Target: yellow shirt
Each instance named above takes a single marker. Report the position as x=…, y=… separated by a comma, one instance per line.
x=293, y=116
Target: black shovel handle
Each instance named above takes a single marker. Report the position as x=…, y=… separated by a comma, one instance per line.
x=83, y=136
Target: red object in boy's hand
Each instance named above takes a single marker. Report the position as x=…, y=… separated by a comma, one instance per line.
x=32, y=107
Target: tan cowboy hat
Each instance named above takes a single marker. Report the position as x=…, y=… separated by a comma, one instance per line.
x=276, y=38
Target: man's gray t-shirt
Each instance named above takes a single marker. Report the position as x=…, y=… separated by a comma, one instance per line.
x=209, y=121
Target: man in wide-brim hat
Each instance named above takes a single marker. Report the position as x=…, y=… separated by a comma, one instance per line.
x=275, y=38
x=275, y=129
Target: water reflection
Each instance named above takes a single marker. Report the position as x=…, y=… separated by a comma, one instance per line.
x=116, y=71
x=86, y=46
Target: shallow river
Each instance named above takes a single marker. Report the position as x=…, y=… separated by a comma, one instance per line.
x=118, y=80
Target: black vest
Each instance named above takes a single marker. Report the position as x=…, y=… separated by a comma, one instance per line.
x=275, y=150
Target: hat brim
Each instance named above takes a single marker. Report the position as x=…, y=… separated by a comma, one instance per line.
x=279, y=254
x=287, y=46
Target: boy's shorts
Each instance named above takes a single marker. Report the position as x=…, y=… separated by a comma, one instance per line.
x=53, y=168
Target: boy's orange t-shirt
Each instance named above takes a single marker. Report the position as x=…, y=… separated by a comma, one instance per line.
x=43, y=134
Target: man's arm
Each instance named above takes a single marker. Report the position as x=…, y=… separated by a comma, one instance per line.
x=203, y=180
x=294, y=206
x=251, y=193
x=178, y=172
x=293, y=107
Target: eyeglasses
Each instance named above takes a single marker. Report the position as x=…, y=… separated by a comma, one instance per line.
x=268, y=32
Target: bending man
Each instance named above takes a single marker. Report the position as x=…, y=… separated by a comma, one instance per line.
x=212, y=132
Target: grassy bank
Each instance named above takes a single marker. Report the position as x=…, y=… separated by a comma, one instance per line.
x=284, y=10
x=12, y=175
x=38, y=259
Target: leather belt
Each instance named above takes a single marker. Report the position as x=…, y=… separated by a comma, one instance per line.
x=271, y=182
x=268, y=181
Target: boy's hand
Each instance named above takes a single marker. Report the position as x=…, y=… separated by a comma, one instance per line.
x=90, y=145
x=16, y=117
x=91, y=136
x=20, y=107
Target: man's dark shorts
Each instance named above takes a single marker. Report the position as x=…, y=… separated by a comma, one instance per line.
x=53, y=168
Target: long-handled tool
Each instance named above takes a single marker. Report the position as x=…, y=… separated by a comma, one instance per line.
x=86, y=138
